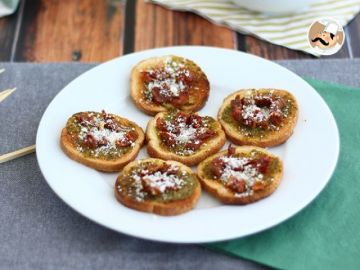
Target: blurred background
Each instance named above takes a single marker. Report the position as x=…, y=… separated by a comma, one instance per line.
x=98, y=30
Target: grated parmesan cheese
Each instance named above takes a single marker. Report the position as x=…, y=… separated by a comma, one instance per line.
x=249, y=174
x=97, y=130
x=166, y=80
x=161, y=181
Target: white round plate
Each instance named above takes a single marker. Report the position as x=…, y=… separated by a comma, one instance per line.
x=309, y=156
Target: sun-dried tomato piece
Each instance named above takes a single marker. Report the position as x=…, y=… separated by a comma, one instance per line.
x=90, y=141
x=258, y=186
x=263, y=164
x=147, y=187
x=237, y=185
x=167, y=138
x=85, y=119
x=217, y=166
x=147, y=77
x=194, y=120
x=276, y=118
x=122, y=143
x=263, y=101
x=157, y=97
x=231, y=150
x=161, y=124
x=185, y=77
x=258, y=111
x=180, y=100
x=131, y=136
x=103, y=141
x=205, y=135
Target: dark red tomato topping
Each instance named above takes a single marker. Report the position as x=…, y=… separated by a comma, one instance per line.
x=259, y=111
x=104, y=121
x=165, y=170
x=187, y=130
x=261, y=164
x=168, y=85
x=231, y=150
x=237, y=185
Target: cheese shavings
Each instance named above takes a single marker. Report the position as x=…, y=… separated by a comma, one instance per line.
x=167, y=80
x=156, y=183
x=239, y=168
x=104, y=135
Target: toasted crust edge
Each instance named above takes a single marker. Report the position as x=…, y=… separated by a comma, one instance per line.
x=225, y=195
x=161, y=208
x=99, y=164
x=155, y=150
x=271, y=140
x=152, y=109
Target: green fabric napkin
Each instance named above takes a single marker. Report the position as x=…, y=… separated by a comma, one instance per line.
x=326, y=234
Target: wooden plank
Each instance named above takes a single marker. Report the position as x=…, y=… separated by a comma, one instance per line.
x=8, y=28
x=273, y=52
x=68, y=30
x=352, y=32
x=129, y=29
x=156, y=26
x=241, y=42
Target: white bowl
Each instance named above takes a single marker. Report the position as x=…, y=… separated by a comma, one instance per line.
x=275, y=6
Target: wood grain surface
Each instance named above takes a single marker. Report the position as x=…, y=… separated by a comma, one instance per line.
x=8, y=34
x=7, y=31
x=156, y=26
x=98, y=30
x=70, y=30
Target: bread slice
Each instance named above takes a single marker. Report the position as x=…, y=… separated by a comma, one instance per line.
x=197, y=89
x=157, y=148
x=241, y=134
x=156, y=186
x=252, y=187
x=106, y=153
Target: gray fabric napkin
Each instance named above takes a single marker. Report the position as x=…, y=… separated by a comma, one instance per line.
x=39, y=231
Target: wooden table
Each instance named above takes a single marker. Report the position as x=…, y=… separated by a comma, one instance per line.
x=98, y=30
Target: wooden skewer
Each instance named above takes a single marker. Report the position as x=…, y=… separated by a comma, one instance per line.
x=4, y=94
x=17, y=153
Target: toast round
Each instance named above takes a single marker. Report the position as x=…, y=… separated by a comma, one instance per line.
x=245, y=184
x=96, y=144
x=267, y=131
x=177, y=149
x=156, y=186
x=189, y=95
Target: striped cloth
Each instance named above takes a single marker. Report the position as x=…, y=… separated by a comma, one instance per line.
x=285, y=30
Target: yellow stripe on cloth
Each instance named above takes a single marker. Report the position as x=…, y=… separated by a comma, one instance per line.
x=285, y=30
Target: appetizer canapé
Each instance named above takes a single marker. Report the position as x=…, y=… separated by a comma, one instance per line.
x=169, y=82
x=185, y=137
x=101, y=140
x=158, y=186
x=260, y=117
x=241, y=175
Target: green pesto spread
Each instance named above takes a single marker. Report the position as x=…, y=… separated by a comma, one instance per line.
x=288, y=110
x=186, y=138
x=163, y=185
x=94, y=139
x=273, y=168
x=168, y=78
